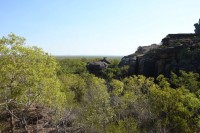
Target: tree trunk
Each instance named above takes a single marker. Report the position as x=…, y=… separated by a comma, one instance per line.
x=11, y=121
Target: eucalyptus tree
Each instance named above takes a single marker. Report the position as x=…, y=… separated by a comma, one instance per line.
x=27, y=76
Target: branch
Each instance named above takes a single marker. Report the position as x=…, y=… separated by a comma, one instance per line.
x=11, y=113
x=10, y=100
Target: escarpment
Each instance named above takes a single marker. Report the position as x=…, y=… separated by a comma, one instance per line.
x=176, y=52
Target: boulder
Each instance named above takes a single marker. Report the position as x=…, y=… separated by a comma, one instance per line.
x=97, y=67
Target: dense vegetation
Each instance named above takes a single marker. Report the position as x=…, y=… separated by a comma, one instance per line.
x=75, y=101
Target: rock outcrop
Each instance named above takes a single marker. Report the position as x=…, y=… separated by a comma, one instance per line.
x=98, y=67
x=176, y=52
x=197, y=27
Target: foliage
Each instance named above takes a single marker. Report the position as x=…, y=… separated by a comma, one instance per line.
x=116, y=87
x=137, y=103
x=27, y=76
x=188, y=80
x=128, y=125
x=114, y=72
x=113, y=103
x=176, y=109
x=72, y=66
x=73, y=86
x=95, y=109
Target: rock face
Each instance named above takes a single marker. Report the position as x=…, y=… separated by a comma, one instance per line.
x=197, y=27
x=176, y=52
x=98, y=67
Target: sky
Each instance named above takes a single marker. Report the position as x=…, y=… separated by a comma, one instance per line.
x=96, y=27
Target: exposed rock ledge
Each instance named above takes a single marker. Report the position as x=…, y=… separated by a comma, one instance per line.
x=176, y=52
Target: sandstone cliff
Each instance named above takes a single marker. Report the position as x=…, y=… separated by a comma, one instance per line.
x=176, y=52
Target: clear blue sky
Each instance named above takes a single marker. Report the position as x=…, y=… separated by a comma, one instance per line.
x=96, y=27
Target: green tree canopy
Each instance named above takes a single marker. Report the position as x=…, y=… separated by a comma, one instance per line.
x=27, y=76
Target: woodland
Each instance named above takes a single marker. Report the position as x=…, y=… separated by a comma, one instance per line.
x=42, y=93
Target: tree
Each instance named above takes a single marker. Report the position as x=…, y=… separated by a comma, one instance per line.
x=177, y=109
x=95, y=111
x=73, y=83
x=72, y=66
x=127, y=125
x=136, y=100
x=188, y=80
x=123, y=121
x=27, y=76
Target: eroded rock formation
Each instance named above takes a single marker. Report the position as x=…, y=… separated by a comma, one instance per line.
x=98, y=67
x=197, y=27
x=176, y=52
